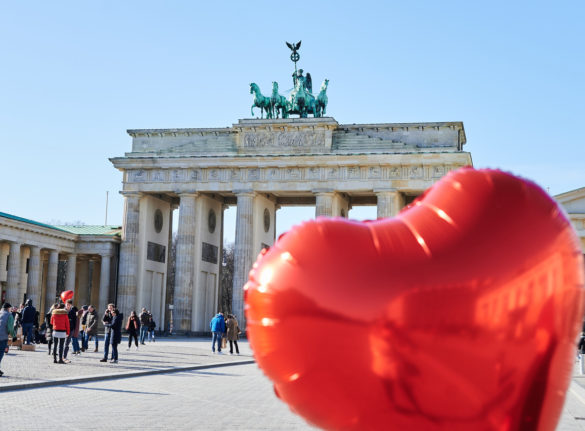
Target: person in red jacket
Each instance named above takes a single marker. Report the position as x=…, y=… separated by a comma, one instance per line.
x=61, y=330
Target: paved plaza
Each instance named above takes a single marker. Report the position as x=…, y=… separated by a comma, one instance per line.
x=185, y=387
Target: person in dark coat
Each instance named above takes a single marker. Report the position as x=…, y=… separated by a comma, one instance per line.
x=107, y=321
x=49, y=333
x=133, y=328
x=28, y=321
x=117, y=320
x=72, y=335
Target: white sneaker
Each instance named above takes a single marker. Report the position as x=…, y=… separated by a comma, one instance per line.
x=220, y=353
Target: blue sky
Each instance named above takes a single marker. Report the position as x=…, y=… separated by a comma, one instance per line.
x=77, y=75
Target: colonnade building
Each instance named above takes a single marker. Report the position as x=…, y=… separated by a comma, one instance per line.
x=30, y=256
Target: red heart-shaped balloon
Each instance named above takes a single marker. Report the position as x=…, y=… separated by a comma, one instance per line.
x=66, y=294
x=460, y=313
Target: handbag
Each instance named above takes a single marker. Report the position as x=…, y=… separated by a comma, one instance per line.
x=223, y=342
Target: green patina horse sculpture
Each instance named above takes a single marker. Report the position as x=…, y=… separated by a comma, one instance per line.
x=302, y=102
x=322, y=99
x=260, y=101
x=279, y=103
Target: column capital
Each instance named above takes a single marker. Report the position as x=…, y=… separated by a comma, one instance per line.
x=131, y=194
x=244, y=192
x=323, y=191
x=189, y=193
x=378, y=190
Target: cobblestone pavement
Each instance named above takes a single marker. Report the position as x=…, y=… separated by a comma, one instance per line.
x=22, y=367
x=235, y=396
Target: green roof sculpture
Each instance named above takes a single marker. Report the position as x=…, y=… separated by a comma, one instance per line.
x=301, y=100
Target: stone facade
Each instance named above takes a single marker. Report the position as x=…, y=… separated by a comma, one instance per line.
x=29, y=257
x=261, y=165
x=573, y=203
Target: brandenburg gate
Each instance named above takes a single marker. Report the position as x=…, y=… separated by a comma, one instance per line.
x=258, y=165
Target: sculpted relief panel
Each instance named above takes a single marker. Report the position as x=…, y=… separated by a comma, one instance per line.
x=278, y=174
x=284, y=141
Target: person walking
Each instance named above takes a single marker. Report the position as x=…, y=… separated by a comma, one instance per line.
x=133, y=327
x=61, y=331
x=91, y=326
x=144, y=318
x=72, y=314
x=116, y=333
x=82, y=333
x=217, y=326
x=49, y=333
x=28, y=321
x=233, y=331
x=107, y=321
x=6, y=329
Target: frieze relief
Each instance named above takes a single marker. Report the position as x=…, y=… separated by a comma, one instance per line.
x=284, y=139
x=374, y=172
x=292, y=174
x=415, y=172
x=313, y=173
x=353, y=173
x=138, y=176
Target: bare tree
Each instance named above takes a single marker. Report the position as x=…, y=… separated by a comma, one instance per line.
x=226, y=278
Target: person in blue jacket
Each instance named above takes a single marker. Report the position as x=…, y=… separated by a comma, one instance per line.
x=217, y=326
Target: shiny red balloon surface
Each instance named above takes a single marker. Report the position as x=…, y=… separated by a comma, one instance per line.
x=460, y=313
x=66, y=294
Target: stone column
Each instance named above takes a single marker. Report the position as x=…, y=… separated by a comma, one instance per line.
x=390, y=202
x=104, y=283
x=243, y=251
x=51, y=289
x=71, y=270
x=128, y=274
x=94, y=291
x=82, y=292
x=13, y=276
x=23, y=282
x=185, y=262
x=324, y=205
x=33, y=289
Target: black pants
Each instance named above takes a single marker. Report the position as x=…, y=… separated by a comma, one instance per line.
x=114, y=351
x=61, y=343
x=232, y=347
x=130, y=336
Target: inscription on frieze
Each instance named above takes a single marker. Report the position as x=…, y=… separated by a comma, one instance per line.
x=209, y=252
